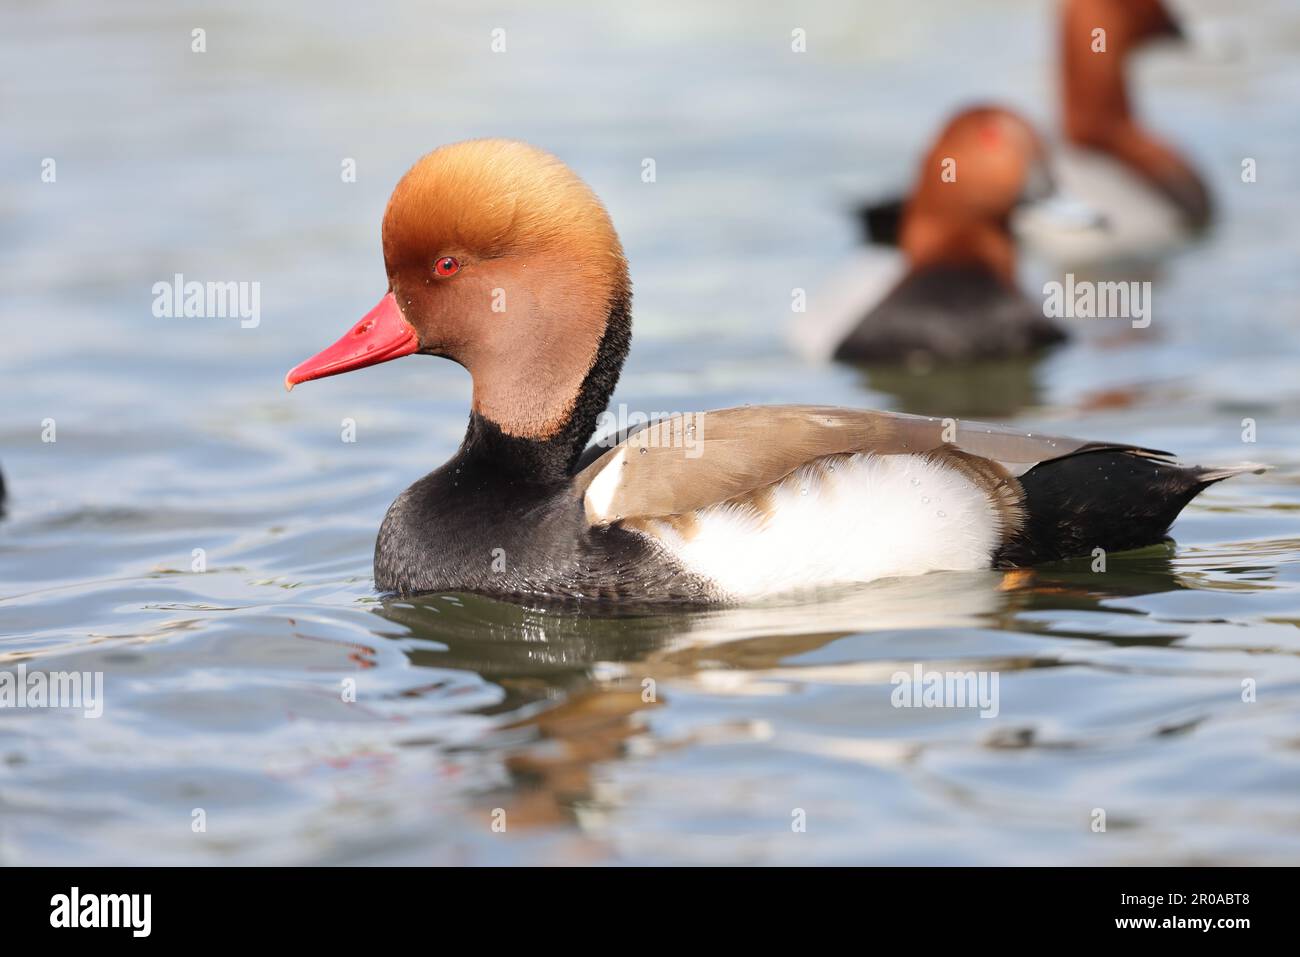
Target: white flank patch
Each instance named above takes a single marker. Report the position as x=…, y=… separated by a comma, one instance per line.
x=600, y=493
x=873, y=516
x=1141, y=224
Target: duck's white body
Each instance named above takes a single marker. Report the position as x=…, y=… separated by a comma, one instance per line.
x=838, y=520
x=1128, y=221
x=780, y=499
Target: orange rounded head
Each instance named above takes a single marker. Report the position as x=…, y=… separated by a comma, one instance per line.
x=984, y=163
x=500, y=258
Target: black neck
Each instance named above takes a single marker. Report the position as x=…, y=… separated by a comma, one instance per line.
x=553, y=459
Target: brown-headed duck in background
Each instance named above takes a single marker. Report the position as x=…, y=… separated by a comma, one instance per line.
x=1147, y=195
x=723, y=506
x=1150, y=196
x=948, y=293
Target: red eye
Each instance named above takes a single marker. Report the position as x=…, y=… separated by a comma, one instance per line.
x=446, y=266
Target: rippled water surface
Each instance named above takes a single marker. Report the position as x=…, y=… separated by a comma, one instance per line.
x=1120, y=691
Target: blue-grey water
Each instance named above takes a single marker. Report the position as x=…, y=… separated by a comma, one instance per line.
x=1163, y=692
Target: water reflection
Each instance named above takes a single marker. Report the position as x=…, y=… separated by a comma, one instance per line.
x=517, y=644
x=988, y=390
x=580, y=687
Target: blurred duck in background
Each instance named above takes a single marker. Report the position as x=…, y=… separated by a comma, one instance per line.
x=947, y=293
x=1149, y=196
x=1111, y=171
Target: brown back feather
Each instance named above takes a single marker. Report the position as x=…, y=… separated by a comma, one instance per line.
x=684, y=463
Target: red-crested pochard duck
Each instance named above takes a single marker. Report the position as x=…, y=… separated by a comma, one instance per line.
x=721, y=506
x=949, y=293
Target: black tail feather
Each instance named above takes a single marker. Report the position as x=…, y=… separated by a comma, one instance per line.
x=1113, y=499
